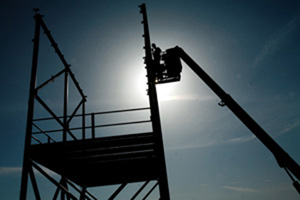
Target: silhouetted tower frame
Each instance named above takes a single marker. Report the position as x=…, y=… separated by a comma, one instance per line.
x=155, y=116
x=141, y=153
x=33, y=95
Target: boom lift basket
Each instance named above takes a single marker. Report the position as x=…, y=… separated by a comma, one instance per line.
x=171, y=67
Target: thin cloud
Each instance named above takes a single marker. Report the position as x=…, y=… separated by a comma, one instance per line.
x=290, y=127
x=187, y=97
x=276, y=40
x=192, y=146
x=240, y=189
x=239, y=140
x=17, y=171
x=212, y=142
x=10, y=170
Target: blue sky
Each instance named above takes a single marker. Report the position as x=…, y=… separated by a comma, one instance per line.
x=250, y=48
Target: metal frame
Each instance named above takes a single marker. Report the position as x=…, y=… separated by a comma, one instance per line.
x=67, y=132
x=163, y=181
x=33, y=95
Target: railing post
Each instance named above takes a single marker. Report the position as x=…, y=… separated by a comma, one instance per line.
x=93, y=125
x=83, y=119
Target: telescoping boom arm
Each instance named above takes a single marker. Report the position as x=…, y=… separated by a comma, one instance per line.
x=283, y=159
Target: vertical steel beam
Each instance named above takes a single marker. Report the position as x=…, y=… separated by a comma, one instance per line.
x=65, y=185
x=62, y=193
x=34, y=184
x=154, y=109
x=66, y=94
x=82, y=194
x=26, y=161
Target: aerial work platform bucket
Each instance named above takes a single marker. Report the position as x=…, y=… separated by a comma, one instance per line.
x=171, y=67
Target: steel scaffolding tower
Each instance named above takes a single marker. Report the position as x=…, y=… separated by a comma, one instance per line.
x=79, y=155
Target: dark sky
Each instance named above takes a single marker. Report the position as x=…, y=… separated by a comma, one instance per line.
x=251, y=48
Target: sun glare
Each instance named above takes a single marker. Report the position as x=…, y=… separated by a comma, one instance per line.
x=165, y=92
x=141, y=82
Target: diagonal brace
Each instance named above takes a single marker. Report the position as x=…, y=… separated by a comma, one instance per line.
x=150, y=191
x=51, y=79
x=75, y=111
x=140, y=190
x=53, y=114
x=53, y=180
x=117, y=191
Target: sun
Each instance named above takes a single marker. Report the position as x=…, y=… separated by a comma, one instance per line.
x=165, y=92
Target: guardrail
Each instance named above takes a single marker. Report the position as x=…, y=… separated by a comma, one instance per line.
x=85, y=126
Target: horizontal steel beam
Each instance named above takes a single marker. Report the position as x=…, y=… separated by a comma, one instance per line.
x=97, y=126
x=96, y=113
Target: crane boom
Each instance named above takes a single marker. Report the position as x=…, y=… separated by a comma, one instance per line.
x=284, y=160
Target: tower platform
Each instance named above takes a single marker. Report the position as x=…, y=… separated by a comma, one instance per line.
x=101, y=161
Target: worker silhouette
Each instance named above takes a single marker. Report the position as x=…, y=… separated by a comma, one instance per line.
x=156, y=52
